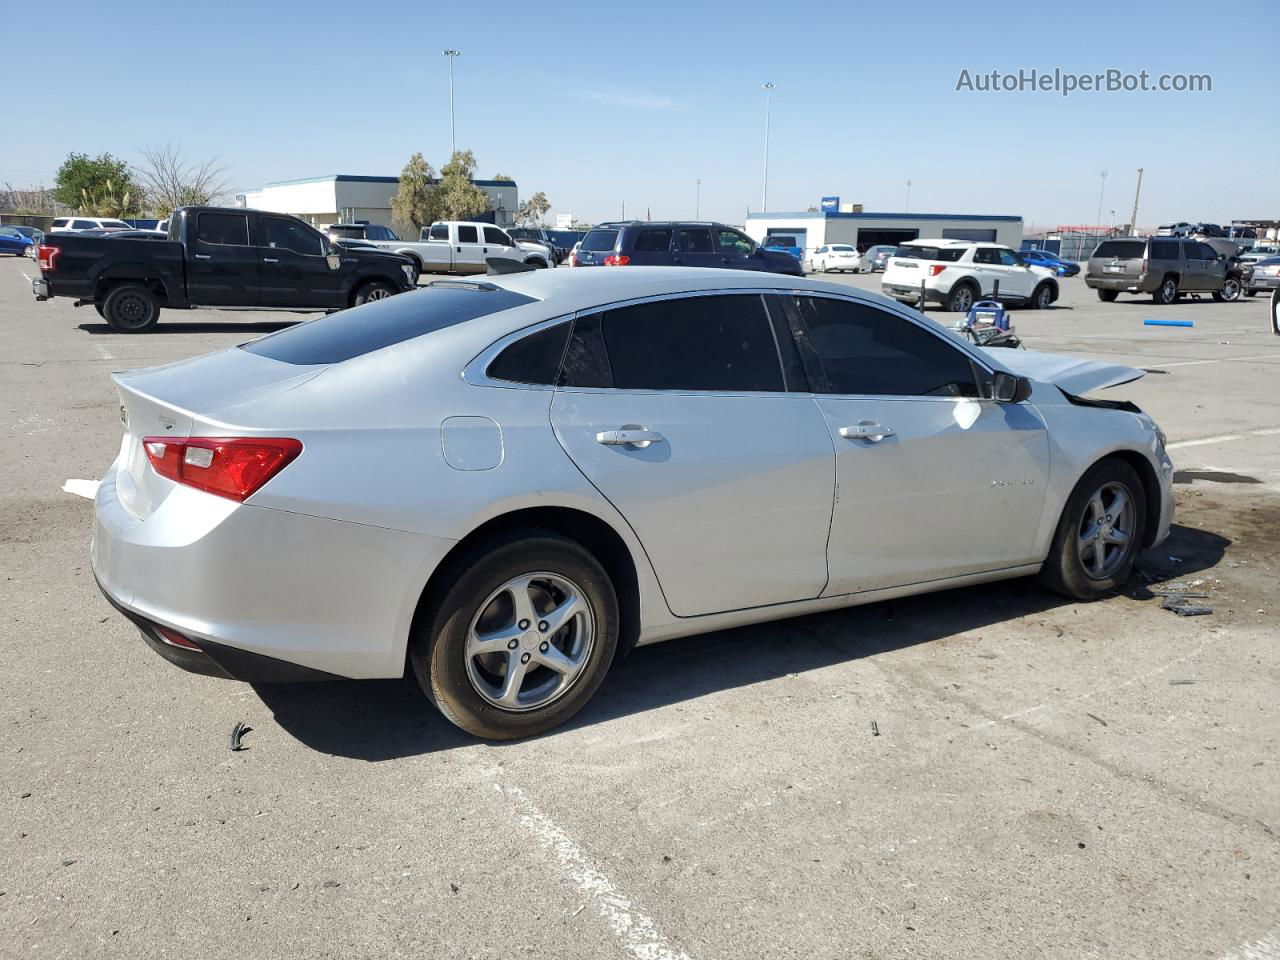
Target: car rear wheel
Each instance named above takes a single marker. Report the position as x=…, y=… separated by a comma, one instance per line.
x=1099, y=534
x=960, y=299
x=1167, y=292
x=374, y=290
x=521, y=639
x=131, y=308
x=1108, y=296
x=1230, y=291
x=1042, y=297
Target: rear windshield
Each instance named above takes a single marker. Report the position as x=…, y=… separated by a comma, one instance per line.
x=352, y=333
x=842, y=248
x=1121, y=249
x=913, y=252
x=600, y=240
x=345, y=230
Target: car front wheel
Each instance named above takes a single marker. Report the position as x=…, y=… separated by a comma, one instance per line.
x=521, y=638
x=1042, y=297
x=1099, y=534
x=1230, y=291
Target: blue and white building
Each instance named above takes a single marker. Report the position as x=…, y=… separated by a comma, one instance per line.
x=863, y=230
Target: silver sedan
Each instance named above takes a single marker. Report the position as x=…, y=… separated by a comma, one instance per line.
x=505, y=483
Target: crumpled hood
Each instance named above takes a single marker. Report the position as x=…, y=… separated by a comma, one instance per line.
x=1071, y=374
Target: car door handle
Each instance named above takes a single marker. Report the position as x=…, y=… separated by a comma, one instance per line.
x=270, y=260
x=634, y=438
x=866, y=430
x=203, y=256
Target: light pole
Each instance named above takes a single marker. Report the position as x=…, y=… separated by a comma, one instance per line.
x=697, y=202
x=1101, y=191
x=764, y=192
x=907, y=207
x=453, y=132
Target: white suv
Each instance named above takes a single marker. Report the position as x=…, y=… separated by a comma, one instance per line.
x=957, y=273
x=75, y=224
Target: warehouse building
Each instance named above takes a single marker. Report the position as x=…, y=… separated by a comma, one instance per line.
x=814, y=229
x=344, y=198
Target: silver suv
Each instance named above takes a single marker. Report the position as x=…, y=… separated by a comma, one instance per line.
x=1164, y=268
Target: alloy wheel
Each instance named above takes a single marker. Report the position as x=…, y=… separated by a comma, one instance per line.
x=1105, y=533
x=530, y=641
x=378, y=293
x=1231, y=290
x=963, y=300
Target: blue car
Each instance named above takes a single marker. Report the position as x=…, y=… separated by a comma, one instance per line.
x=15, y=241
x=680, y=244
x=1043, y=258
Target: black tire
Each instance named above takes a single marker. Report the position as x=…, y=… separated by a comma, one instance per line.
x=373, y=290
x=1065, y=570
x=102, y=313
x=962, y=296
x=1042, y=296
x=1251, y=292
x=537, y=262
x=1230, y=291
x=1167, y=292
x=437, y=651
x=1108, y=296
x=131, y=308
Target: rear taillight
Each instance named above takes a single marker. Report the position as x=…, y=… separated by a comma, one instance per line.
x=231, y=467
x=48, y=254
x=616, y=260
x=1144, y=264
x=936, y=268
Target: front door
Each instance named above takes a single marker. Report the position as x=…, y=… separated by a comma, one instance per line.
x=1018, y=280
x=676, y=410
x=295, y=268
x=931, y=480
x=693, y=248
x=736, y=250
x=222, y=262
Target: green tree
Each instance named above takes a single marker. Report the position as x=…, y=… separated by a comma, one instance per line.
x=504, y=178
x=102, y=181
x=533, y=210
x=417, y=200
x=460, y=199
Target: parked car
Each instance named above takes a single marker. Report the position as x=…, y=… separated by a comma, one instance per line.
x=74, y=224
x=1051, y=261
x=1206, y=230
x=843, y=257
x=572, y=259
x=958, y=273
x=1265, y=276
x=1263, y=250
x=878, y=256
x=680, y=243
x=785, y=243
x=360, y=231
x=565, y=480
x=35, y=234
x=130, y=234
x=1179, y=229
x=456, y=246
x=1164, y=268
x=14, y=242
x=536, y=235
x=223, y=257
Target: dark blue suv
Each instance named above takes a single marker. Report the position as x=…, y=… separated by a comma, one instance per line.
x=680, y=244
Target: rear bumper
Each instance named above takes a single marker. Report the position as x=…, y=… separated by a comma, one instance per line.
x=264, y=593
x=908, y=294
x=1264, y=283
x=1121, y=284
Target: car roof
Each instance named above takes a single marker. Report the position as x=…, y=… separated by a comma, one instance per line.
x=948, y=242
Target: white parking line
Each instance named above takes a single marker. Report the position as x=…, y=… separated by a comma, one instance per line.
x=106, y=354
x=638, y=934
x=1268, y=948
x=1223, y=438
x=1193, y=363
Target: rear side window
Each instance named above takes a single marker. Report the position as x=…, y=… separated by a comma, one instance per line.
x=225, y=228
x=1121, y=249
x=82, y=224
x=720, y=343
x=869, y=352
x=533, y=359
x=945, y=254
x=695, y=241
x=1166, y=250
x=653, y=241
x=598, y=241
x=468, y=234
x=352, y=333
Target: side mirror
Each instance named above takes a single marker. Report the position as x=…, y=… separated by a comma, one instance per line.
x=1006, y=388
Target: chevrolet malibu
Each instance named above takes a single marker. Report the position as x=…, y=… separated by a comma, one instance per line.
x=505, y=483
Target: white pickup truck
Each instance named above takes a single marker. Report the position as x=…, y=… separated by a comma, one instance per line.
x=454, y=246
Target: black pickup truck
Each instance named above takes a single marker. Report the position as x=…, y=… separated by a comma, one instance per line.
x=216, y=258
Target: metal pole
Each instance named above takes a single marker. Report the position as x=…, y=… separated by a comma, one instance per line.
x=453, y=130
x=1133, y=222
x=764, y=192
x=907, y=208
x=1101, y=191
x=697, y=203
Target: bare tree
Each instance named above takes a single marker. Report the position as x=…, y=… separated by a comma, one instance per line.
x=171, y=181
x=32, y=201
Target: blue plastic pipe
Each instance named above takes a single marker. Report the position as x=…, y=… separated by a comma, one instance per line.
x=1168, y=323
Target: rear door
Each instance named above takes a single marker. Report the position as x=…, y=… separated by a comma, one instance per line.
x=727, y=479
x=295, y=269
x=988, y=269
x=467, y=249
x=652, y=247
x=222, y=260
x=693, y=248
x=931, y=480
x=1021, y=281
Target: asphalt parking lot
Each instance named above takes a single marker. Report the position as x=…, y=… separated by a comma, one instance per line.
x=991, y=772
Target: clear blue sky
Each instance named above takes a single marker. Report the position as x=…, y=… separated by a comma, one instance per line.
x=597, y=104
